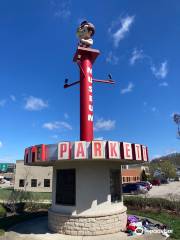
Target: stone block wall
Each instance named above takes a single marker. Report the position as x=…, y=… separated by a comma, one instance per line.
x=87, y=225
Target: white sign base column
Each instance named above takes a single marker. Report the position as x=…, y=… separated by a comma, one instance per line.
x=93, y=213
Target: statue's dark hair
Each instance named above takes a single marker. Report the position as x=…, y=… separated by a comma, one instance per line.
x=91, y=26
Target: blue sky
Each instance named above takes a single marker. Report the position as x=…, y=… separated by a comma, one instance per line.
x=139, y=44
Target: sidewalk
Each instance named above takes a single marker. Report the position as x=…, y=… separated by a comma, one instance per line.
x=37, y=229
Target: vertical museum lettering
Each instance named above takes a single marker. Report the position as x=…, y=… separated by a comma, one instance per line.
x=90, y=104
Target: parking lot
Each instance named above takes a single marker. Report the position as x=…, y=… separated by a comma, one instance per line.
x=170, y=191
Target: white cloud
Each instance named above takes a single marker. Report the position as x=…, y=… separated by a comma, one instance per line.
x=35, y=104
x=57, y=125
x=99, y=138
x=145, y=103
x=154, y=109
x=111, y=58
x=163, y=84
x=13, y=98
x=1, y=144
x=156, y=156
x=62, y=8
x=54, y=136
x=8, y=158
x=66, y=125
x=120, y=33
x=170, y=151
x=2, y=102
x=136, y=55
x=66, y=116
x=128, y=89
x=64, y=13
x=105, y=125
x=160, y=72
x=166, y=152
x=50, y=125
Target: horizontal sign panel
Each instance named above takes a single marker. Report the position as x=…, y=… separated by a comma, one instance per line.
x=86, y=150
x=3, y=167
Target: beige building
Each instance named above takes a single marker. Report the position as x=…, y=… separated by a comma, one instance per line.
x=133, y=173
x=33, y=178
x=39, y=179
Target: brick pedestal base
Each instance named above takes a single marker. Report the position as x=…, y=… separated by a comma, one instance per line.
x=87, y=225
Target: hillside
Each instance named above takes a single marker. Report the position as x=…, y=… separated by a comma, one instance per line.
x=174, y=158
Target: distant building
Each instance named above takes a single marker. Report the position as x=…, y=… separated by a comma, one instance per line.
x=33, y=178
x=39, y=179
x=178, y=172
x=133, y=173
x=7, y=171
x=7, y=167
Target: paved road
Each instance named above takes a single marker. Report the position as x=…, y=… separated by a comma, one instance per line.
x=36, y=229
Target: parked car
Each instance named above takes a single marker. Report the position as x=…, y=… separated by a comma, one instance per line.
x=145, y=184
x=156, y=182
x=150, y=184
x=134, y=188
x=164, y=181
x=177, y=179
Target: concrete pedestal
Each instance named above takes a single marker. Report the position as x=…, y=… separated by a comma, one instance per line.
x=93, y=213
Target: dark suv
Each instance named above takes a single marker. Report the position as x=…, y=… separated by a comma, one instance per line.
x=134, y=188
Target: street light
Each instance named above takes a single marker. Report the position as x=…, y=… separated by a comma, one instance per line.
x=176, y=118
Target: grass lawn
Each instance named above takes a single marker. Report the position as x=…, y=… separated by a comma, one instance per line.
x=5, y=194
x=172, y=221
x=2, y=232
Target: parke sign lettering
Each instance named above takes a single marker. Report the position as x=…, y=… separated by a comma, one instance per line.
x=81, y=150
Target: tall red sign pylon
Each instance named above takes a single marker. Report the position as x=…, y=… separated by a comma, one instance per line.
x=85, y=57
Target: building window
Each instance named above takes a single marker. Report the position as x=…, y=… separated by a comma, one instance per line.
x=115, y=185
x=27, y=156
x=128, y=179
x=39, y=149
x=21, y=182
x=124, y=179
x=33, y=156
x=46, y=182
x=66, y=187
x=33, y=182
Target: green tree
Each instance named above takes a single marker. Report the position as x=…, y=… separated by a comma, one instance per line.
x=168, y=169
x=153, y=166
x=144, y=176
x=165, y=166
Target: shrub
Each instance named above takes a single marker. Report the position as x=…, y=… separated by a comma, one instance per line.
x=134, y=202
x=21, y=207
x=32, y=206
x=2, y=232
x=2, y=211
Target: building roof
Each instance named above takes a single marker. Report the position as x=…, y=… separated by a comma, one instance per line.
x=131, y=172
x=17, y=161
